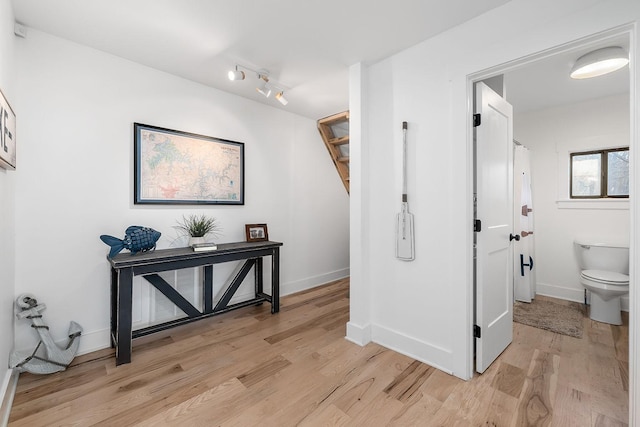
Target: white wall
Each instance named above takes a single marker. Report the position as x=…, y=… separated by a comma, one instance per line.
x=551, y=134
x=74, y=182
x=359, y=325
x=424, y=308
x=7, y=191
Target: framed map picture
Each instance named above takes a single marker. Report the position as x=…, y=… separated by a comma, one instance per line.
x=173, y=167
x=7, y=135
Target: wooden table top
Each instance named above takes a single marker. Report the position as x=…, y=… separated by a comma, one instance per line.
x=163, y=255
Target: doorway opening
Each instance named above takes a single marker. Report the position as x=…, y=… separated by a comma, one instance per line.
x=571, y=290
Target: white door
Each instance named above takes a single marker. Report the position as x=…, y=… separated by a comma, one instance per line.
x=494, y=259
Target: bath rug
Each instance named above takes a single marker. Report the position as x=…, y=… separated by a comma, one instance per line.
x=559, y=318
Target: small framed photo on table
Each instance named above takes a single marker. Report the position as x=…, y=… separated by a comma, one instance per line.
x=256, y=232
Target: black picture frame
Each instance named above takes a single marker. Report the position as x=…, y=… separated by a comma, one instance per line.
x=173, y=167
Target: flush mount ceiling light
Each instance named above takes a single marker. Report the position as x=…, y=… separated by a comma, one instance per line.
x=600, y=62
x=265, y=85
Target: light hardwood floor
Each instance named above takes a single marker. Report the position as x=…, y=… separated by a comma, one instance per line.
x=251, y=368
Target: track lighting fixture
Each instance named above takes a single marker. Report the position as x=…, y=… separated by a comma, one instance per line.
x=265, y=85
x=280, y=97
x=600, y=62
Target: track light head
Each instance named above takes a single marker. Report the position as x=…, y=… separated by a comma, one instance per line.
x=264, y=87
x=236, y=74
x=280, y=97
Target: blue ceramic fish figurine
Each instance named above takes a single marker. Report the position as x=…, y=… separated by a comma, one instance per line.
x=136, y=239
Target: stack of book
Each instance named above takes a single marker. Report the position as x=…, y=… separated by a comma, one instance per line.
x=204, y=247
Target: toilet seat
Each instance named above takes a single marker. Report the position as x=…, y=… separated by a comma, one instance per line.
x=606, y=277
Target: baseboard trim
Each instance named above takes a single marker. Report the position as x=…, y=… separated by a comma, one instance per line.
x=572, y=294
x=358, y=334
x=312, y=282
x=9, y=384
x=430, y=354
x=569, y=294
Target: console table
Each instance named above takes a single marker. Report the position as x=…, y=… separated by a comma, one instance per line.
x=148, y=264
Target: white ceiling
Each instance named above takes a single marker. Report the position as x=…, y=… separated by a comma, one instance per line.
x=307, y=45
x=546, y=83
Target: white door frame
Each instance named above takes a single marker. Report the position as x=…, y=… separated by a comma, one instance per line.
x=634, y=202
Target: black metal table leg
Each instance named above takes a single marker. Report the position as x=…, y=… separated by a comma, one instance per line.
x=258, y=277
x=114, y=306
x=275, y=281
x=208, y=288
x=124, y=307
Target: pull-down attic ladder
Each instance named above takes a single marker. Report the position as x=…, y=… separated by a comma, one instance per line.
x=335, y=134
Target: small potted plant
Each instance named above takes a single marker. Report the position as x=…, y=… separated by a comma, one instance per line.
x=197, y=227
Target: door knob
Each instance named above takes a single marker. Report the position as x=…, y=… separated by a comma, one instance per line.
x=512, y=237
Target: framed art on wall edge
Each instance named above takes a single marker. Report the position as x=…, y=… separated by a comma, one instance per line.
x=7, y=134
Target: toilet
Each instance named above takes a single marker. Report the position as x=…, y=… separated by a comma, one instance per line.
x=604, y=266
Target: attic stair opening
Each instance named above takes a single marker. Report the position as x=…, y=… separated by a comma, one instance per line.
x=335, y=134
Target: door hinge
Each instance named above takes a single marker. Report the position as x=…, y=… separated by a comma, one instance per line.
x=476, y=120
x=477, y=225
x=477, y=331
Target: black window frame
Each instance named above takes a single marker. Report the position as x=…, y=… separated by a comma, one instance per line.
x=604, y=159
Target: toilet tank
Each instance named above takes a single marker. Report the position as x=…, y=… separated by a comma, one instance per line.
x=602, y=254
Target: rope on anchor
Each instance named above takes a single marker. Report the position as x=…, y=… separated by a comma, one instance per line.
x=73, y=337
x=25, y=361
x=37, y=316
x=51, y=361
x=33, y=356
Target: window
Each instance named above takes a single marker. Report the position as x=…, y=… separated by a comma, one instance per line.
x=600, y=174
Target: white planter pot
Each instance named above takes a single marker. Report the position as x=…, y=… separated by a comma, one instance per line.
x=196, y=240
